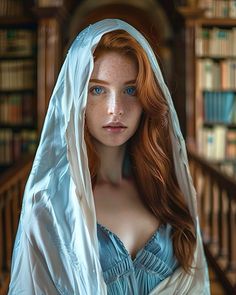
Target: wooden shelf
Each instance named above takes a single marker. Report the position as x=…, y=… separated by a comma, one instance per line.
x=221, y=22
x=19, y=126
x=219, y=90
x=196, y=15
x=212, y=124
x=9, y=91
x=4, y=167
x=16, y=21
x=224, y=161
x=191, y=12
x=20, y=57
x=216, y=57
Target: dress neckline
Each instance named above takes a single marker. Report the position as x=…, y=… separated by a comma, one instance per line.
x=148, y=242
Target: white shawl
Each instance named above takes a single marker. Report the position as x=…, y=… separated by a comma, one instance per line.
x=56, y=247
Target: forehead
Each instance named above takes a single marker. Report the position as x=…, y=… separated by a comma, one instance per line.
x=112, y=63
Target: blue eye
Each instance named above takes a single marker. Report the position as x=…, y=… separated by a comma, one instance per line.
x=131, y=90
x=96, y=90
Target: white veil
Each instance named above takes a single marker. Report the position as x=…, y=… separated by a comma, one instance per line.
x=56, y=247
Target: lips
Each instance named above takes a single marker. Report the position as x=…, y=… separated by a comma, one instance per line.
x=115, y=127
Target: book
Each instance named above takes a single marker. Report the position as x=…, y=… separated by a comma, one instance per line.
x=14, y=143
x=215, y=42
x=212, y=142
x=211, y=75
x=17, y=108
x=231, y=144
x=17, y=42
x=17, y=74
x=232, y=8
x=219, y=107
x=208, y=73
x=11, y=7
x=218, y=8
x=229, y=103
x=219, y=142
x=206, y=142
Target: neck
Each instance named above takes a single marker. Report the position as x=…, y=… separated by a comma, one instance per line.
x=111, y=163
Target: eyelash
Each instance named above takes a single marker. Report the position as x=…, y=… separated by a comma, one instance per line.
x=133, y=88
x=92, y=89
x=96, y=87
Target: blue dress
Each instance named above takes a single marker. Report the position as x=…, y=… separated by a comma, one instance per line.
x=152, y=264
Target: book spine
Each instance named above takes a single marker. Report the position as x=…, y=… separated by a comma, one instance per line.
x=219, y=8
x=231, y=144
x=12, y=144
x=232, y=8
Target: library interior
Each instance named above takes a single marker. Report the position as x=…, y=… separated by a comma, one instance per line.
x=195, y=43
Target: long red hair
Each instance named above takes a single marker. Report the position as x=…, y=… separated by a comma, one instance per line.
x=150, y=150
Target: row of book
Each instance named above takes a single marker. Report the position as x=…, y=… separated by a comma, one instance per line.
x=11, y=7
x=17, y=74
x=217, y=143
x=218, y=8
x=219, y=107
x=215, y=75
x=17, y=42
x=16, y=7
x=17, y=108
x=13, y=144
x=215, y=42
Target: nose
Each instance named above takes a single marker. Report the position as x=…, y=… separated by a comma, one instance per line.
x=115, y=105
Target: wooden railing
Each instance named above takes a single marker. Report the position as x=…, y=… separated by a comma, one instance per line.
x=216, y=194
x=12, y=185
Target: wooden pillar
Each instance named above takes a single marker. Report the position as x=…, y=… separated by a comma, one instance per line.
x=190, y=15
x=49, y=59
x=190, y=90
x=50, y=22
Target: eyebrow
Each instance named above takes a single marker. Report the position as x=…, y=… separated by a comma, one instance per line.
x=106, y=83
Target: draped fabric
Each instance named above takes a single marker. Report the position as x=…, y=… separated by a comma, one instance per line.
x=125, y=275
x=56, y=247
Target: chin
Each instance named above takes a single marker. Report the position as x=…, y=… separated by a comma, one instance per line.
x=113, y=142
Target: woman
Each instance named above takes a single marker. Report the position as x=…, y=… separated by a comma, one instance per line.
x=109, y=206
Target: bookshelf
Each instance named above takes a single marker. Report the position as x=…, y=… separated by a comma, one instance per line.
x=210, y=34
x=18, y=84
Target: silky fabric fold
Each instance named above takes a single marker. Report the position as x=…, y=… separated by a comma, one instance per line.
x=56, y=247
x=139, y=275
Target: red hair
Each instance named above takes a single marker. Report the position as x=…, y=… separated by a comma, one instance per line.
x=150, y=150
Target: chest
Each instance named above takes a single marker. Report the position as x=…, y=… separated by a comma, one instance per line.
x=122, y=211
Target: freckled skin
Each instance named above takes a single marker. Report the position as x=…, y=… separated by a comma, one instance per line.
x=114, y=101
x=117, y=201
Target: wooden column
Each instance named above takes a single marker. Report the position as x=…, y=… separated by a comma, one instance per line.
x=190, y=89
x=49, y=58
x=190, y=15
x=50, y=22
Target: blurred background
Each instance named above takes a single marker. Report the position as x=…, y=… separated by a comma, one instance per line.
x=195, y=45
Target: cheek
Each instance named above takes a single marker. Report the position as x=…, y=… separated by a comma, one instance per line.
x=137, y=111
x=89, y=114
x=90, y=122
x=94, y=107
x=93, y=115
x=91, y=109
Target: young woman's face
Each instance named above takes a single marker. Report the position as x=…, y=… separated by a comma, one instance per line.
x=113, y=109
